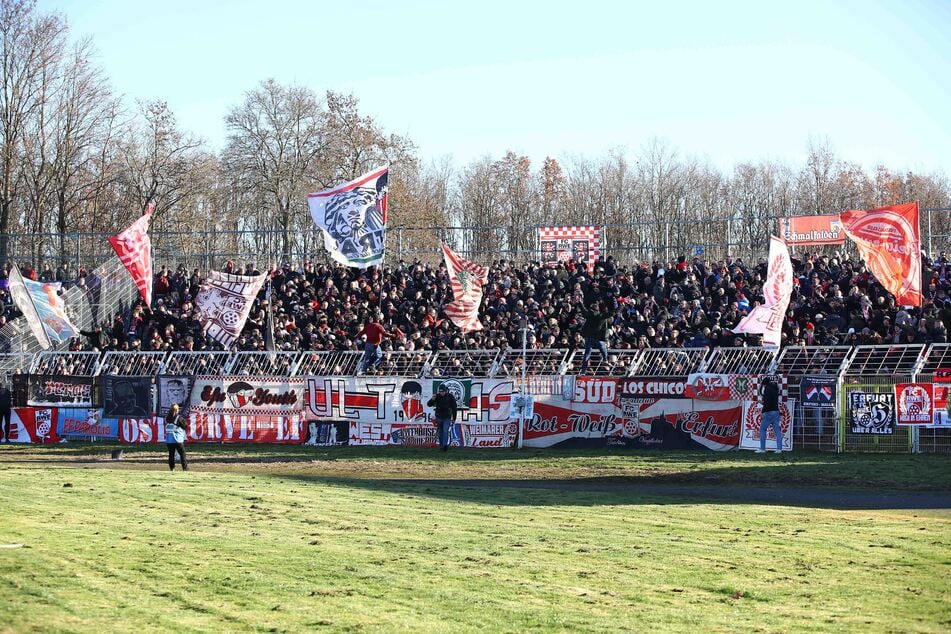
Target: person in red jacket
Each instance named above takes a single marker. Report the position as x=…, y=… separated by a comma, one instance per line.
x=371, y=350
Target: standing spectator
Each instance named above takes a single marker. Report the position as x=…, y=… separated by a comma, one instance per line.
x=444, y=406
x=769, y=392
x=371, y=351
x=175, y=437
x=595, y=333
x=6, y=402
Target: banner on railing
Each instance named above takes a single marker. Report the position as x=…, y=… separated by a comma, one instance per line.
x=220, y=428
x=393, y=410
x=871, y=413
x=126, y=396
x=33, y=425
x=915, y=403
x=642, y=412
x=242, y=395
x=818, y=392
x=172, y=390
x=752, y=419
x=942, y=397
x=85, y=424
x=60, y=390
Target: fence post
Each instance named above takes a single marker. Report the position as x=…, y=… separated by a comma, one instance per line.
x=930, y=252
x=79, y=252
x=666, y=242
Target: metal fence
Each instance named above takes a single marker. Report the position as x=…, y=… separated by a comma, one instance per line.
x=868, y=370
x=208, y=248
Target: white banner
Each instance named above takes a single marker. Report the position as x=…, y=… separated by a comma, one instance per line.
x=767, y=319
x=246, y=395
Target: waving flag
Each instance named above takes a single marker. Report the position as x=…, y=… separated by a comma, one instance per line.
x=889, y=241
x=134, y=248
x=467, y=280
x=353, y=219
x=225, y=302
x=42, y=308
x=767, y=319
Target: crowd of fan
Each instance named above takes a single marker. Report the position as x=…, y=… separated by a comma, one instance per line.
x=681, y=303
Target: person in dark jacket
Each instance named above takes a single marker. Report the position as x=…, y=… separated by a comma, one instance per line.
x=595, y=332
x=175, y=437
x=769, y=395
x=444, y=410
x=6, y=404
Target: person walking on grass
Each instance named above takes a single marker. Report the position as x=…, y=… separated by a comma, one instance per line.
x=444, y=410
x=769, y=394
x=175, y=436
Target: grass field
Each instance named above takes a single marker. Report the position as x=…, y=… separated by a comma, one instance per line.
x=388, y=539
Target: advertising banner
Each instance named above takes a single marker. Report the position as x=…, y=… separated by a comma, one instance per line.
x=126, y=396
x=811, y=230
x=242, y=395
x=871, y=413
x=818, y=392
x=219, y=428
x=85, y=424
x=170, y=390
x=60, y=390
x=35, y=425
x=915, y=403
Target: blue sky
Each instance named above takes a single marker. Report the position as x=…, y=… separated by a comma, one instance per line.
x=724, y=81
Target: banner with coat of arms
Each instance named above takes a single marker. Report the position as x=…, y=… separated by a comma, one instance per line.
x=559, y=244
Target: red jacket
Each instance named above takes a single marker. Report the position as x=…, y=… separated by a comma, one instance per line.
x=375, y=333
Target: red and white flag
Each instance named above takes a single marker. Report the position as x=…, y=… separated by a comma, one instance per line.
x=134, y=248
x=767, y=319
x=467, y=280
x=889, y=240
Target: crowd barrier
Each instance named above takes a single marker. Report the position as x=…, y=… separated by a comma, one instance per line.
x=869, y=398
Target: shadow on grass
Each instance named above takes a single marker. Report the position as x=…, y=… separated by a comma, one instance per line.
x=639, y=490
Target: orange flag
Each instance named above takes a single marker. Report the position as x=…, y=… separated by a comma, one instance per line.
x=889, y=241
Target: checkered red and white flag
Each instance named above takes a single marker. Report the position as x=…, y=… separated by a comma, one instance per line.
x=467, y=280
x=134, y=248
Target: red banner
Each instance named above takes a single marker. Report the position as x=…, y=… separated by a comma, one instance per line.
x=889, y=241
x=33, y=425
x=809, y=230
x=915, y=403
x=223, y=428
x=134, y=248
x=708, y=387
